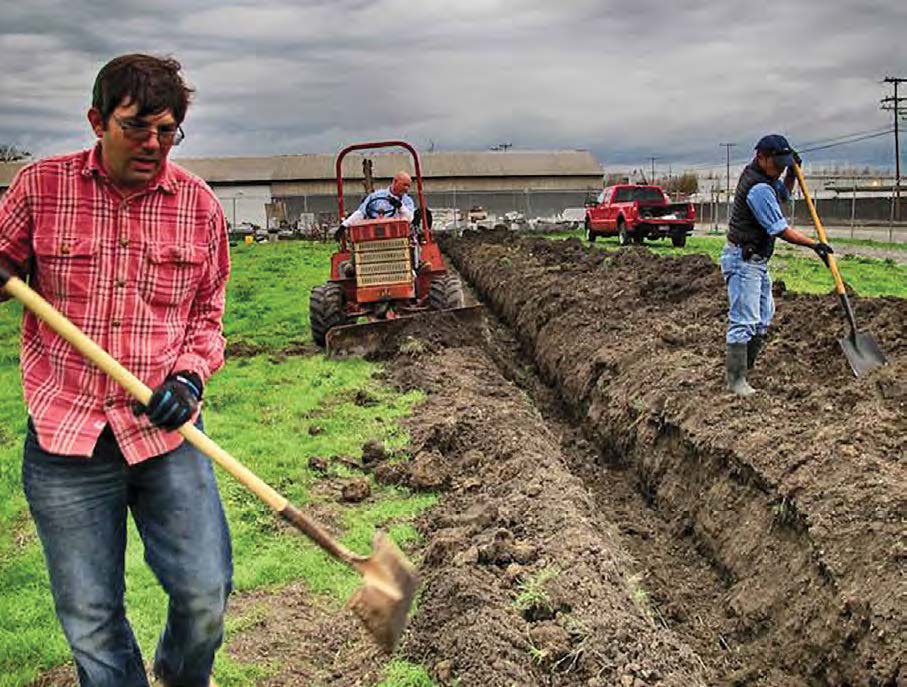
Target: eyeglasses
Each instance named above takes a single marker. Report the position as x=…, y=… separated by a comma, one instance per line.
x=166, y=135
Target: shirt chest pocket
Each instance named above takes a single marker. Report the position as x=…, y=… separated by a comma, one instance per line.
x=67, y=269
x=171, y=273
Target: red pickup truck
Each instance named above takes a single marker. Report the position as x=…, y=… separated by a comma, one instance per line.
x=635, y=212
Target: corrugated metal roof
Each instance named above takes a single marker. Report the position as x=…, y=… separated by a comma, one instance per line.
x=320, y=166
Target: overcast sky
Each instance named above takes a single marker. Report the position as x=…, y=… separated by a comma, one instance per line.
x=627, y=80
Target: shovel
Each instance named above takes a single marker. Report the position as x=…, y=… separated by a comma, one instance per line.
x=861, y=349
x=389, y=579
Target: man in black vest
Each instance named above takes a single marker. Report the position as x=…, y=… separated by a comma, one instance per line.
x=756, y=221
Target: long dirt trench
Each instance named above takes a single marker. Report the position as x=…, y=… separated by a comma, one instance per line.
x=769, y=538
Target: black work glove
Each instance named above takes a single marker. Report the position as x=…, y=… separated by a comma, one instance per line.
x=174, y=401
x=338, y=232
x=797, y=158
x=394, y=202
x=823, y=250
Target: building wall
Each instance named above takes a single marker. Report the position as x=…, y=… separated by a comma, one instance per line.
x=244, y=203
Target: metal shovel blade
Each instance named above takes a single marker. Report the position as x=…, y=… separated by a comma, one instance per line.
x=382, y=603
x=863, y=353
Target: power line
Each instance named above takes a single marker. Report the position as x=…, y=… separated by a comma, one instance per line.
x=844, y=143
x=877, y=130
x=867, y=135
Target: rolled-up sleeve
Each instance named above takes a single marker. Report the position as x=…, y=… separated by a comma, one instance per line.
x=16, y=227
x=203, y=346
x=764, y=203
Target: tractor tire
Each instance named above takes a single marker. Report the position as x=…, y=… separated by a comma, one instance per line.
x=326, y=310
x=678, y=240
x=623, y=234
x=590, y=235
x=445, y=293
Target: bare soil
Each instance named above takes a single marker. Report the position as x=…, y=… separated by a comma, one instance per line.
x=797, y=497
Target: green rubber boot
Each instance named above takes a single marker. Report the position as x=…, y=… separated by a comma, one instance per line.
x=736, y=370
x=753, y=348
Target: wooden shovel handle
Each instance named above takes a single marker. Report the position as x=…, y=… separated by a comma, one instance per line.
x=820, y=230
x=97, y=355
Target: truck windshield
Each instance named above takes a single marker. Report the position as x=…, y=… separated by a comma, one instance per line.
x=644, y=194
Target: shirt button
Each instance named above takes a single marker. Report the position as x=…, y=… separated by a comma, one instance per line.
x=64, y=250
x=109, y=403
x=115, y=323
x=124, y=242
x=120, y=283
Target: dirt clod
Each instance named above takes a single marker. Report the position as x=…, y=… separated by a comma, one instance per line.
x=356, y=490
x=373, y=451
x=428, y=472
x=319, y=465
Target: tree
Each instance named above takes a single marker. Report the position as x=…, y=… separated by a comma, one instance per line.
x=684, y=185
x=9, y=152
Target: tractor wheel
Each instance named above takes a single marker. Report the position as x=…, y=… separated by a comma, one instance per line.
x=679, y=240
x=590, y=235
x=623, y=235
x=445, y=293
x=326, y=310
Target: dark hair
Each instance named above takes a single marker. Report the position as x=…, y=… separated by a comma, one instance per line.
x=154, y=83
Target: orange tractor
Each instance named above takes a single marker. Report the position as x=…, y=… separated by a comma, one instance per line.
x=387, y=269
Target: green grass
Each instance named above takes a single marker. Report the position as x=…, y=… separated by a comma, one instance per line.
x=531, y=592
x=870, y=243
x=268, y=293
x=403, y=674
x=795, y=265
x=260, y=409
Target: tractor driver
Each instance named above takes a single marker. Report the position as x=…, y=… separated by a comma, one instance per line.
x=385, y=202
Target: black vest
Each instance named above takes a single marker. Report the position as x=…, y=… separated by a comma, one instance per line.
x=744, y=229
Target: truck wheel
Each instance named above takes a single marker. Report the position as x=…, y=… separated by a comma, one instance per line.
x=589, y=234
x=445, y=293
x=326, y=310
x=623, y=235
x=679, y=240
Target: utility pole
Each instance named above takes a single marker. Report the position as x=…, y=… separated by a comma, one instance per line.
x=728, y=147
x=892, y=103
x=652, y=159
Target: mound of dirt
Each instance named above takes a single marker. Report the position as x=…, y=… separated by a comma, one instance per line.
x=524, y=582
x=797, y=495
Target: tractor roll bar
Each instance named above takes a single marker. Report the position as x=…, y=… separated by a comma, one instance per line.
x=383, y=144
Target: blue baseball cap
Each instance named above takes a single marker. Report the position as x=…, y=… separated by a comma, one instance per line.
x=778, y=147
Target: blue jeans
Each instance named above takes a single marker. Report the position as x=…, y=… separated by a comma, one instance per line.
x=749, y=292
x=79, y=506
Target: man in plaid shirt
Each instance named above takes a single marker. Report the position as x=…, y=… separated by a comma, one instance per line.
x=132, y=249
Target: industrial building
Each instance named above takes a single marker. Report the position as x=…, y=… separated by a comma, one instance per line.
x=282, y=189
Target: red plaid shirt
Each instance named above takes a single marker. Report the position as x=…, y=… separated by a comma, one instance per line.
x=144, y=276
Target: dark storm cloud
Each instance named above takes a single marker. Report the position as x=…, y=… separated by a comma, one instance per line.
x=625, y=80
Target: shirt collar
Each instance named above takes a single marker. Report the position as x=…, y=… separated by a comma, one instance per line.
x=165, y=180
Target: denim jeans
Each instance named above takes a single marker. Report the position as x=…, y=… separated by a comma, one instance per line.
x=79, y=506
x=749, y=292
